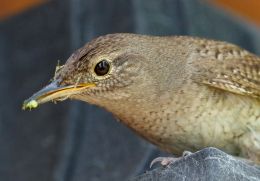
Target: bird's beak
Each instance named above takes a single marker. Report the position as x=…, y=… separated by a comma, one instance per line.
x=54, y=92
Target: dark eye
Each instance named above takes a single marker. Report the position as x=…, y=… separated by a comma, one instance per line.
x=102, y=67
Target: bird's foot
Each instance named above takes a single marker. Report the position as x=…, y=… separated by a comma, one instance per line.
x=165, y=161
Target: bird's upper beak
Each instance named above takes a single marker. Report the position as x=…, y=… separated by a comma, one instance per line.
x=54, y=92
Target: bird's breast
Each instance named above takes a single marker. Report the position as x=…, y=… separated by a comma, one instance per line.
x=189, y=122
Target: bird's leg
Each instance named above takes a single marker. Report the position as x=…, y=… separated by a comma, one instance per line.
x=165, y=161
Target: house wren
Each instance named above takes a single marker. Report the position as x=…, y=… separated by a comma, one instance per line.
x=178, y=92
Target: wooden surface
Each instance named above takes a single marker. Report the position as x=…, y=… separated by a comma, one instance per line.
x=12, y=7
x=249, y=9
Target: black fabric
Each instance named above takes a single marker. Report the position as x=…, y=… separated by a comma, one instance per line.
x=30, y=45
x=74, y=141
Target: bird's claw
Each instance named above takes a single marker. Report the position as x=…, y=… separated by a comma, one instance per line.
x=165, y=161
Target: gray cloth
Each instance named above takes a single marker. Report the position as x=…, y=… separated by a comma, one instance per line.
x=208, y=164
x=74, y=141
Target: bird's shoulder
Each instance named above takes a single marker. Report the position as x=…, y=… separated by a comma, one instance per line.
x=228, y=67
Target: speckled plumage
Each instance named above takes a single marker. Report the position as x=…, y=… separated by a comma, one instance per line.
x=180, y=93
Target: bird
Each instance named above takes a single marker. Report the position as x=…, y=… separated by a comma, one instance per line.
x=181, y=93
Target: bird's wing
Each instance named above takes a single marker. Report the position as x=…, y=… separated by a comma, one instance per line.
x=239, y=73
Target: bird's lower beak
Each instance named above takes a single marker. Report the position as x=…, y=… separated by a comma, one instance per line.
x=54, y=92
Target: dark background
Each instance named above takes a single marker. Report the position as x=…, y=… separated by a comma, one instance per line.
x=74, y=141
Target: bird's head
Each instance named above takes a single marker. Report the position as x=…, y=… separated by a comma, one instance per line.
x=108, y=69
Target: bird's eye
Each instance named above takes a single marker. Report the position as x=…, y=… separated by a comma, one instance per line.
x=102, y=67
